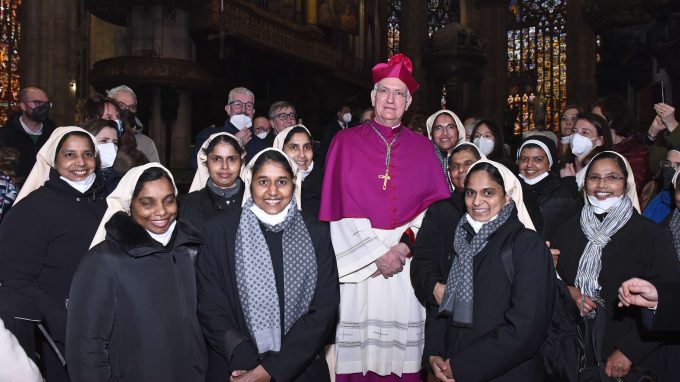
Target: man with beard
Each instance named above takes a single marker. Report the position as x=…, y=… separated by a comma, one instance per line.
x=28, y=131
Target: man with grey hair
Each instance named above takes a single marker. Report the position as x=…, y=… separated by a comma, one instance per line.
x=282, y=115
x=127, y=101
x=240, y=109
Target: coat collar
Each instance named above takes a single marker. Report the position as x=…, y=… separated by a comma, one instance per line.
x=136, y=242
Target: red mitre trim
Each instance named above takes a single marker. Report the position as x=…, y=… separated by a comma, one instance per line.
x=399, y=66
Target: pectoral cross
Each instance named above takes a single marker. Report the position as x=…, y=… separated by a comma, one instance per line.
x=385, y=178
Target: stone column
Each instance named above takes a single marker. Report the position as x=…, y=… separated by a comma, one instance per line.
x=490, y=24
x=413, y=34
x=181, y=133
x=49, y=50
x=157, y=128
x=581, y=45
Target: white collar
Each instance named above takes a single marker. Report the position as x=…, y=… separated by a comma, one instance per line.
x=81, y=185
x=478, y=225
x=29, y=131
x=164, y=238
x=267, y=218
x=303, y=173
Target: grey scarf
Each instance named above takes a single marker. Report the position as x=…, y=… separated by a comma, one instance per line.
x=459, y=292
x=255, y=276
x=598, y=233
x=674, y=227
x=224, y=193
x=444, y=161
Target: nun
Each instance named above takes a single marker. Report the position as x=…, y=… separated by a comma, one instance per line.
x=217, y=186
x=445, y=130
x=296, y=142
x=490, y=325
x=132, y=304
x=433, y=246
x=267, y=281
x=537, y=163
x=47, y=232
x=608, y=243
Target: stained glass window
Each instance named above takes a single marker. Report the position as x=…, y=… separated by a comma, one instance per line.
x=537, y=63
x=439, y=13
x=10, y=35
x=393, y=14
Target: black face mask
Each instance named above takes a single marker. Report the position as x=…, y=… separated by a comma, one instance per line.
x=129, y=116
x=40, y=113
x=667, y=176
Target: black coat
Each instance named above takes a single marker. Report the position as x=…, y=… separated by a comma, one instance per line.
x=200, y=206
x=301, y=357
x=639, y=249
x=557, y=203
x=433, y=249
x=667, y=315
x=511, y=321
x=311, y=190
x=44, y=237
x=13, y=135
x=132, y=308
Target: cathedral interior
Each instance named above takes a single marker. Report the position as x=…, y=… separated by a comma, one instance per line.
x=517, y=62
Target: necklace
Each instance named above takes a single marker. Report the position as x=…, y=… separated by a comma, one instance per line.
x=386, y=177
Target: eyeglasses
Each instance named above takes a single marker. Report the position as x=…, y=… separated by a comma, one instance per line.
x=385, y=92
x=124, y=106
x=462, y=166
x=286, y=116
x=38, y=102
x=239, y=105
x=609, y=179
x=667, y=163
x=441, y=128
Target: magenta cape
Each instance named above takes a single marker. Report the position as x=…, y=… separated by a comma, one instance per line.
x=352, y=189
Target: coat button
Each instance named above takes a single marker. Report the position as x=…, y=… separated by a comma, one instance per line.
x=77, y=199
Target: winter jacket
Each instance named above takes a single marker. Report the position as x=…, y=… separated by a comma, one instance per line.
x=200, y=206
x=44, y=237
x=557, y=203
x=132, y=308
x=13, y=135
x=639, y=249
x=311, y=190
x=511, y=319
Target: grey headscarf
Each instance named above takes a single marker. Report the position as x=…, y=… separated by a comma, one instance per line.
x=459, y=292
x=255, y=275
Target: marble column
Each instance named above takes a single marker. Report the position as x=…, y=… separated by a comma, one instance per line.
x=490, y=24
x=181, y=132
x=581, y=46
x=413, y=35
x=49, y=53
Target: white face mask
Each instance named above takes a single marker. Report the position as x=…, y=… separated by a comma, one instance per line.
x=581, y=145
x=107, y=154
x=347, y=117
x=81, y=185
x=484, y=144
x=602, y=206
x=262, y=135
x=534, y=180
x=240, y=121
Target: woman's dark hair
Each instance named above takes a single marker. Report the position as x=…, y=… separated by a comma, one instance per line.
x=149, y=175
x=295, y=130
x=603, y=131
x=617, y=114
x=74, y=134
x=461, y=148
x=274, y=156
x=490, y=169
x=94, y=126
x=94, y=107
x=572, y=106
x=224, y=139
x=498, y=153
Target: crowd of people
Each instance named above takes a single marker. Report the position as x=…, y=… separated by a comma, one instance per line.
x=373, y=252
